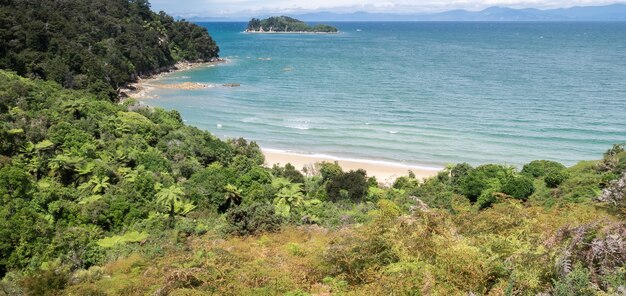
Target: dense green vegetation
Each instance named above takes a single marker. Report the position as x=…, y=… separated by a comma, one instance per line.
x=286, y=24
x=98, y=45
x=99, y=198
x=106, y=199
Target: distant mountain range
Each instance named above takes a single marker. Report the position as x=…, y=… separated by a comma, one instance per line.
x=614, y=12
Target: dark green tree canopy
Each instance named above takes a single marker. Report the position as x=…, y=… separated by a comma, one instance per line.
x=98, y=45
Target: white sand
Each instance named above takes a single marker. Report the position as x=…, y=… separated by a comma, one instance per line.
x=384, y=172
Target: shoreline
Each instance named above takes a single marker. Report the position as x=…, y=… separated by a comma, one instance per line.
x=385, y=172
x=145, y=84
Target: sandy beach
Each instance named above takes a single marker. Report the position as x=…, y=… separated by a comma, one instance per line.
x=384, y=172
x=142, y=89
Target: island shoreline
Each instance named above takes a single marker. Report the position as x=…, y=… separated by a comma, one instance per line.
x=295, y=32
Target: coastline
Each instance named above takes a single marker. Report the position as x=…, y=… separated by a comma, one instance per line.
x=384, y=172
x=141, y=88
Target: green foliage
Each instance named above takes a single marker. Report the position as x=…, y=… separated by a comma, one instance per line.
x=289, y=172
x=46, y=282
x=575, y=283
x=554, y=178
x=614, y=159
x=583, y=182
x=482, y=178
x=459, y=172
x=520, y=187
x=96, y=45
x=488, y=194
x=206, y=187
x=129, y=237
x=435, y=193
x=252, y=219
x=540, y=168
x=329, y=170
x=288, y=200
x=348, y=186
x=85, y=182
x=168, y=198
x=232, y=197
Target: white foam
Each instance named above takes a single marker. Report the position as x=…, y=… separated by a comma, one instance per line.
x=301, y=124
x=219, y=125
x=250, y=120
x=392, y=132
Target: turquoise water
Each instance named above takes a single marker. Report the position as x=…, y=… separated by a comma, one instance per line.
x=418, y=93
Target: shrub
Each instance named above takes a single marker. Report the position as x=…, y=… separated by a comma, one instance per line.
x=488, y=195
x=353, y=256
x=582, y=184
x=206, y=187
x=577, y=282
x=520, y=187
x=458, y=172
x=252, y=219
x=539, y=168
x=554, y=178
x=405, y=183
x=45, y=282
x=329, y=170
x=351, y=185
x=478, y=179
x=288, y=172
x=434, y=193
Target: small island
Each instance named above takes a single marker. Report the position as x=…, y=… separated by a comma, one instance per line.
x=285, y=24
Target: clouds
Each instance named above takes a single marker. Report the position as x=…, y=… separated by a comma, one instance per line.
x=259, y=7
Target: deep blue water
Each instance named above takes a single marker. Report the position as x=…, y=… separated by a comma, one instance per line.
x=418, y=93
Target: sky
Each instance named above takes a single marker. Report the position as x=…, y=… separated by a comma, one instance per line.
x=233, y=8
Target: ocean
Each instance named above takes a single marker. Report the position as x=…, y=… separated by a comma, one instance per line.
x=417, y=93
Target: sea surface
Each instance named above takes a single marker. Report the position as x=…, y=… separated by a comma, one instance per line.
x=421, y=93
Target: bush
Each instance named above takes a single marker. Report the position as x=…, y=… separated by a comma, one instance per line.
x=329, y=170
x=478, y=179
x=351, y=185
x=458, y=172
x=45, y=282
x=288, y=172
x=353, y=256
x=405, y=183
x=252, y=219
x=540, y=168
x=554, y=178
x=577, y=282
x=520, y=187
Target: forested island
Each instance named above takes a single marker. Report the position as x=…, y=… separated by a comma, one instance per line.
x=99, y=197
x=285, y=24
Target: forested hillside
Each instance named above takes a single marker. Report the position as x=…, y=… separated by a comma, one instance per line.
x=100, y=198
x=106, y=199
x=98, y=45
